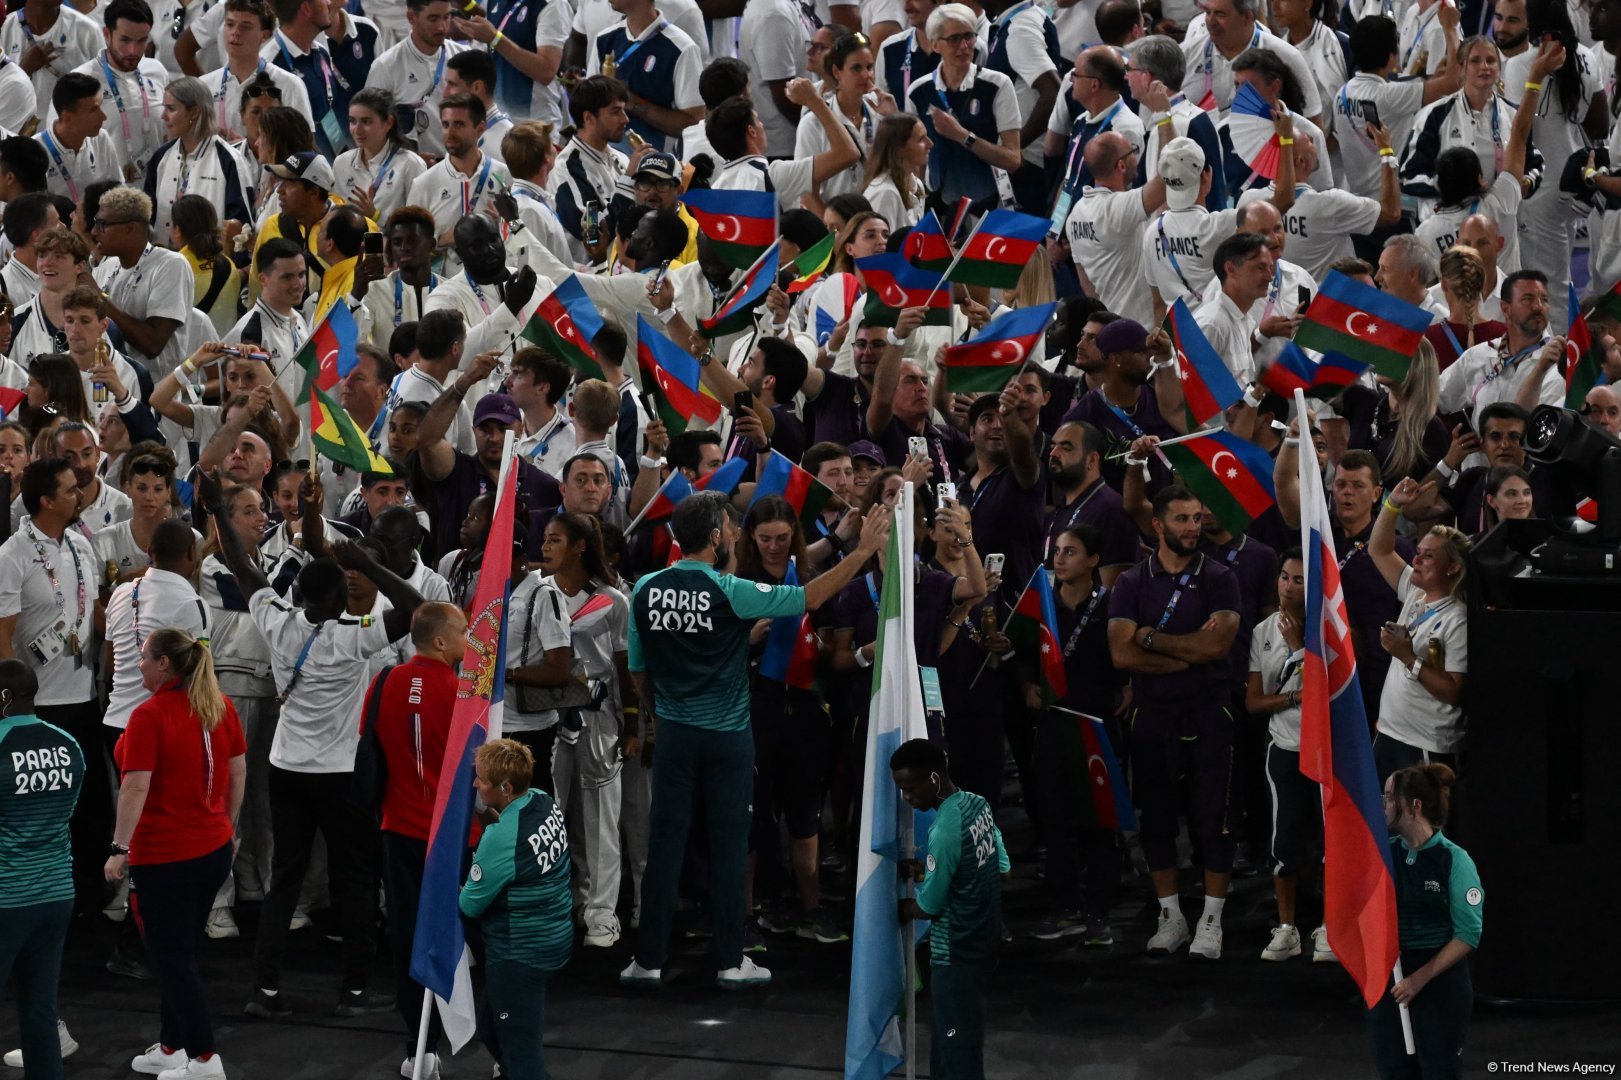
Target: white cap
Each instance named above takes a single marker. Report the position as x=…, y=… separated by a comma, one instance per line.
x=1181, y=164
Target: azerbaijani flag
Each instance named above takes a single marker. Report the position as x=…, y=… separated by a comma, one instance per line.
x=566, y=322
x=811, y=264
x=1608, y=306
x=681, y=395
x=327, y=356
x=1294, y=370
x=1033, y=627
x=926, y=246
x=1232, y=476
x=1584, y=364
x=722, y=479
x=791, y=648
x=1208, y=387
x=806, y=494
x=1106, y=801
x=740, y=224
x=998, y=250
x=736, y=312
x=1361, y=323
x=440, y=960
x=985, y=362
x=893, y=284
x=1359, y=892
x=890, y=830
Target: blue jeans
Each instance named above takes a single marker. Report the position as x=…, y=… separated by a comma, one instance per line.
x=31, y=952
x=513, y=1020
x=717, y=768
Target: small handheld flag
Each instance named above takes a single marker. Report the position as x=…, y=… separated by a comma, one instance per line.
x=1233, y=477
x=791, y=648
x=806, y=494
x=736, y=312
x=567, y=322
x=926, y=246
x=723, y=479
x=999, y=249
x=811, y=265
x=681, y=396
x=1294, y=370
x=327, y=356
x=1363, y=324
x=1584, y=363
x=894, y=284
x=1208, y=387
x=1033, y=629
x=740, y=224
x=985, y=362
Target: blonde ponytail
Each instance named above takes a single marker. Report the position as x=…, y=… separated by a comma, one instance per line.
x=194, y=663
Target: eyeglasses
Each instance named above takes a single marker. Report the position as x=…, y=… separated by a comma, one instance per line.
x=960, y=39
x=293, y=466
x=103, y=223
x=657, y=185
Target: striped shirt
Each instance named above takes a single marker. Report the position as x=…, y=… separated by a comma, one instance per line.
x=41, y=772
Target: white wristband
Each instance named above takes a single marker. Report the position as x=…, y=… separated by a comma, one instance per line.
x=861, y=658
x=666, y=315
x=898, y=342
x=1252, y=399
x=650, y=462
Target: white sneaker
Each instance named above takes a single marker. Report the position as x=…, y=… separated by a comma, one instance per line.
x=744, y=975
x=222, y=924
x=1172, y=933
x=430, y=1067
x=301, y=919
x=156, y=1061
x=212, y=1069
x=637, y=975
x=604, y=935
x=14, y=1058
x=1284, y=944
x=1320, y=951
x=1207, y=940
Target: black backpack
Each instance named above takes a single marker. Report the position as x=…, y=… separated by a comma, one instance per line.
x=371, y=768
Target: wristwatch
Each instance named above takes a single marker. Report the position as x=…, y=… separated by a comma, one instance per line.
x=893, y=338
x=117, y=849
x=1148, y=639
x=969, y=140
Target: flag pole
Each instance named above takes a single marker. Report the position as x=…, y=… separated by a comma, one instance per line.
x=638, y=519
x=907, y=836
x=422, y=1034
x=1189, y=437
x=955, y=259
x=1406, y=1016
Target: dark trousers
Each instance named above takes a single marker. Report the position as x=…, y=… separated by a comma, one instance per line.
x=1297, y=811
x=513, y=1020
x=1391, y=755
x=171, y=902
x=694, y=766
x=540, y=744
x=31, y=957
x=1249, y=813
x=1170, y=745
x=92, y=825
x=1440, y=1016
x=1071, y=841
x=403, y=860
x=300, y=805
x=957, y=1038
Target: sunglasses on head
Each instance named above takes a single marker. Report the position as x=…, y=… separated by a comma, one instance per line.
x=293, y=466
x=150, y=466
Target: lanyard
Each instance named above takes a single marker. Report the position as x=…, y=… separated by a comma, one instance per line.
x=298, y=665
x=135, y=606
x=999, y=30
x=471, y=200
x=906, y=64
x=384, y=169
x=438, y=74
x=56, y=584
x=551, y=431
x=1429, y=613
x=1503, y=364
x=624, y=57
x=1356, y=548
x=1418, y=37
x=118, y=95
x=1457, y=346
x=185, y=164
x=1052, y=538
x=1082, y=136
x=1291, y=668
x=322, y=62
x=399, y=294
x=1272, y=293
x=478, y=294
x=220, y=96
x=61, y=165
x=1231, y=554
x=1176, y=266
x=1176, y=594
x=1098, y=593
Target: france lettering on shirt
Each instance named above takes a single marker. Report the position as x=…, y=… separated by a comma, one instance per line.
x=1177, y=245
x=1085, y=230
x=682, y=611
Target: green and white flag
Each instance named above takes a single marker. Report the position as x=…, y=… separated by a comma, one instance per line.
x=889, y=828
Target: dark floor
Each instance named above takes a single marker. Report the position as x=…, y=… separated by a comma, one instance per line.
x=1054, y=1012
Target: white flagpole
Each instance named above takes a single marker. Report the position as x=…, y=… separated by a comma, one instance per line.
x=422, y=1034
x=903, y=506
x=955, y=259
x=1406, y=1016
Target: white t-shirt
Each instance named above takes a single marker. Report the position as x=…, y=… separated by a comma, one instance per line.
x=1407, y=711
x=1320, y=224
x=1479, y=377
x=74, y=36
x=537, y=622
x=1397, y=103
x=1177, y=249
x=1501, y=203
x=1105, y=229
x=227, y=91
x=159, y=286
x=451, y=195
x=399, y=169
x=810, y=139
x=158, y=600
x=417, y=79
x=1026, y=43
x=68, y=172
x=133, y=102
x=1280, y=670
x=319, y=728
x=772, y=45
x=1422, y=41
x=791, y=179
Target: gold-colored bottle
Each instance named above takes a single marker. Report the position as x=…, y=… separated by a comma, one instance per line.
x=636, y=141
x=610, y=66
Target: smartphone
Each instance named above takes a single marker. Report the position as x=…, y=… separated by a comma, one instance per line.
x=917, y=446
x=371, y=244
x=590, y=229
x=946, y=491
x=1395, y=628
x=994, y=563
x=1303, y=295
x=1549, y=38
x=742, y=402
x=1370, y=112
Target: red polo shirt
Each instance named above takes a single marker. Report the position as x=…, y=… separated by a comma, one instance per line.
x=187, y=811
x=413, y=722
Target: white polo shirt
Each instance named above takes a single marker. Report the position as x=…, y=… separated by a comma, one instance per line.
x=1105, y=229
x=772, y=45
x=21, y=283
x=280, y=336
x=791, y=179
x=1282, y=298
x=48, y=614
x=1229, y=331
x=1501, y=203
x=68, y=172
x=417, y=80
x=390, y=302
x=1484, y=374
x=16, y=97
x=227, y=91
x=1320, y=224
x=1209, y=72
x=1397, y=103
x=157, y=600
x=1177, y=249
x=451, y=195
x=159, y=286
x=415, y=384
x=133, y=102
x=319, y=728
x=74, y=36
x=549, y=447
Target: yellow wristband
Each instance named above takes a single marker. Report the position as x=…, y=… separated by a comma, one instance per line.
x=495, y=43
x=1385, y=151
x=1534, y=86
x=1167, y=120
x=1285, y=142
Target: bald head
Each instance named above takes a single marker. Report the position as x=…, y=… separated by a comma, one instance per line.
x=1481, y=233
x=1104, y=154
x=1603, y=407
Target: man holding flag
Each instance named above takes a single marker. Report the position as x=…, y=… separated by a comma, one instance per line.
x=1172, y=620
x=688, y=652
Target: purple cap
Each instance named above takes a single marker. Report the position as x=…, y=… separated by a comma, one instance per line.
x=496, y=407
x=863, y=449
x=1122, y=335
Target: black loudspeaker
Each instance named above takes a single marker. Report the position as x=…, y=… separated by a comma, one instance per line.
x=1540, y=799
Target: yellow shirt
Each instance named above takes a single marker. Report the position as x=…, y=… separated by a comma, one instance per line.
x=222, y=310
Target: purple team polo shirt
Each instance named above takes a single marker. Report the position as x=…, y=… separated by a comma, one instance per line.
x=1256, y=565
x=1007, y=519
x=948, y=447
x=1150, y=595
x=1099, y=506
x=1120, y=429
x=1370, y=602
x=839, y=413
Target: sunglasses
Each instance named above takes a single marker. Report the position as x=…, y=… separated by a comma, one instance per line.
x=293, y=466
x=150, y=466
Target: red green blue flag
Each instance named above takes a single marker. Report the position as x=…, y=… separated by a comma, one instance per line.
x=893, y=284
x=740, y=224
x=1033, y=628
x=985, y=362
x=566, y=323
x=722, y=479
x=674, y=377
x=736, y=312
x=327, y=356
x=999, y=249
x=926, y=246
x=1208, y=387
x=1361, y=323
x=1232, y=476
x=1584, y=364
x=791, y=648
x=806, y=494
x=1294, y=370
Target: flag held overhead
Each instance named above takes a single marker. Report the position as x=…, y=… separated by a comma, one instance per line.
x=681, y=395
x=985, y=362
x=1361, y=323
x=1208, y=387
x=740, y=224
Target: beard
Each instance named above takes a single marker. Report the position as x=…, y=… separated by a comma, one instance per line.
x=1177, y=547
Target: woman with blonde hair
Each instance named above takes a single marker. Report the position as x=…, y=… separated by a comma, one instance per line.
x=895, y=169
x=1463, y=284
x=1396, y=422
x=183, y=762
x=195, y=160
